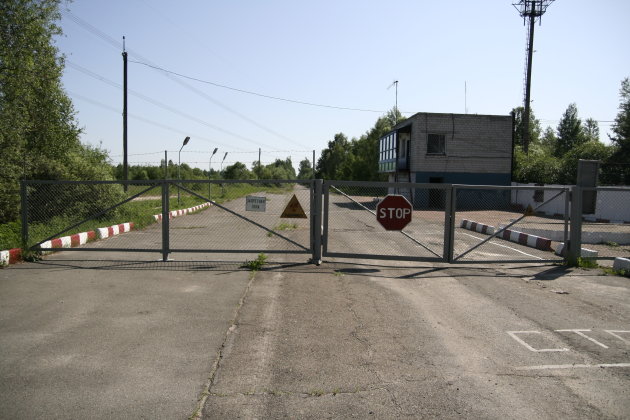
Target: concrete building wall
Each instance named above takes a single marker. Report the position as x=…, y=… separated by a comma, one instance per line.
x=474, y=144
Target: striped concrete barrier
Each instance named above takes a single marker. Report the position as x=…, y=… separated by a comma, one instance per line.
x=526, y=239
x=182, y=212
x=70, y=241
x=10, y=256
x=477, y=227
x=106, y=232
x=586, y=253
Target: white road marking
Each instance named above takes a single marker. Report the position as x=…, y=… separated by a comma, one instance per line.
x=504, y=246
x=575, y=366
x=581, y=333
x=612, y=332
x=527, y=346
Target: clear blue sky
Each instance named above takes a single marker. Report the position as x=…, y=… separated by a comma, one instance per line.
x=339, y=53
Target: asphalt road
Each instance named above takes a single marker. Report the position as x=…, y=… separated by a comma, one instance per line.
x=108, y=335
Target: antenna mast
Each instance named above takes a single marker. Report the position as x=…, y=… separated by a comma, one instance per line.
x=125, y=161
x=532, y=10
x=395, y=83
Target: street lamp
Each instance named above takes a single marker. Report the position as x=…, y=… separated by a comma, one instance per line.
x=222, y=186
x=210, y=169
x=224, y=156
x=179, y=163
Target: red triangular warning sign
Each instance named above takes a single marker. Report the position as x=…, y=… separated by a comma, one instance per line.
x=294, y=210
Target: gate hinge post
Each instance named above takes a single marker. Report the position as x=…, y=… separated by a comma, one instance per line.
x=165, y=220
x=574, y=247
x=449, y=224
x=24, y=214
x=316, y=221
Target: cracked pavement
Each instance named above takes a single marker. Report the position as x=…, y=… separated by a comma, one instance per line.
x=403, y=341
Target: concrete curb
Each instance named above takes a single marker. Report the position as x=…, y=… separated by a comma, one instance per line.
x=14, y=255
x=586, y=253
x=106, y=232
x=532, y=241
x=621, y=264
x=182, y=212
x=10, y=256
x=477, y=227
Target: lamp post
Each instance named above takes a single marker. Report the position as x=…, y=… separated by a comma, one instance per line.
x=222, y=187
x=210, y=169
x=179, y=163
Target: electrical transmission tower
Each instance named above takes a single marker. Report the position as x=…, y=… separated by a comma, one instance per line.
x=532, y=10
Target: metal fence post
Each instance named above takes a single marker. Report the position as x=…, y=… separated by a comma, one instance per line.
x=574, y=246
x=165, y=220
x=24, y=214
x=449, y=224
x=316, y=222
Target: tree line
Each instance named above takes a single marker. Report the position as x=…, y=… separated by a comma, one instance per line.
x=554, y=153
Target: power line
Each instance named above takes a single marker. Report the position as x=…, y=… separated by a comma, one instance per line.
x=160, y=104
x=146, y=120
x=262, y=95
x=116, y=44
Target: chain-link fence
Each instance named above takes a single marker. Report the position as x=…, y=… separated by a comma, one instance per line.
x=232, y=217
x=440, y=222
x=245, y=217
x=493, y=223
x=352, y=228
x=606, y=223
x=58, y=214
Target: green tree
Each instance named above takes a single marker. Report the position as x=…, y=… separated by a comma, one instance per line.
x=356, y=159
x=331, y=158
x=237, y=171
x=538, y=166
x=534, y=126
x=621, y=126
x=305, y=170
x=591, y=150
x=591, y=130
x=618, y=165
x=570, y=133
x=39, y=136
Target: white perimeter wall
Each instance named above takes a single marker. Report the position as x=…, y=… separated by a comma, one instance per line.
x=611, y=205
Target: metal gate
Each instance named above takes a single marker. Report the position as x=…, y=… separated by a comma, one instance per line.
x=352, y=231
x=225, y=217
x=450, y=223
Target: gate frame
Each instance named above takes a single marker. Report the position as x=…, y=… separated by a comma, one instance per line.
x=562, y=190
x=165, y=184
x=327, y=184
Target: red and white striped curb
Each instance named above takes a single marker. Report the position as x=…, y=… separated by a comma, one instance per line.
x=477, y=227
x=182, y=212
x=106, y=232
x=586, y=253
x=10, y=256
x=527, y=239
x=14, y=255
x=70, y=241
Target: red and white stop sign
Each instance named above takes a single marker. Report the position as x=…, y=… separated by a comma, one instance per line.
x=394, y=212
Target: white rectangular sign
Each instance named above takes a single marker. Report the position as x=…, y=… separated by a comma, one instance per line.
x=253, y=203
